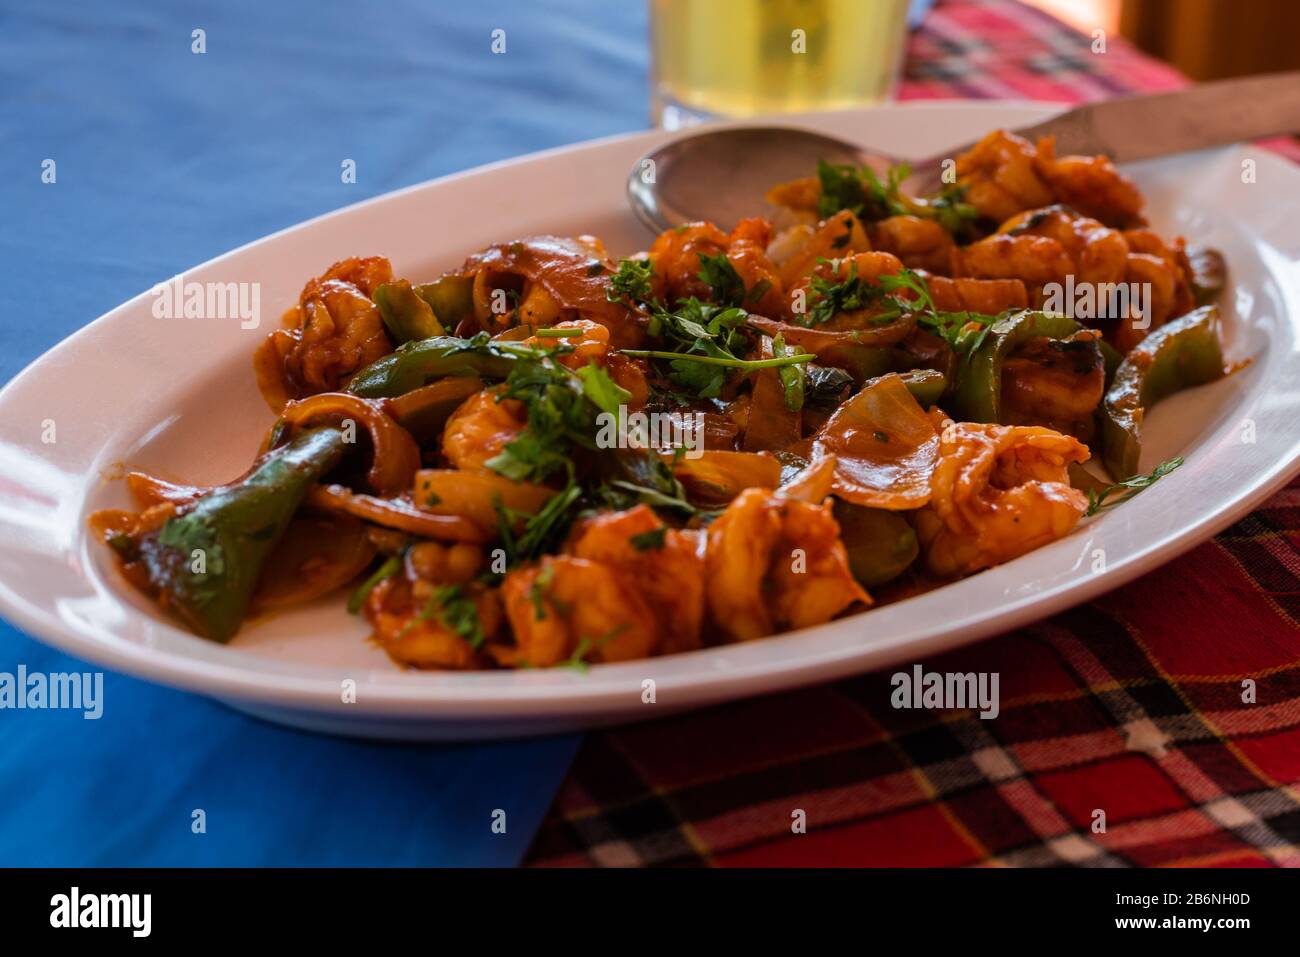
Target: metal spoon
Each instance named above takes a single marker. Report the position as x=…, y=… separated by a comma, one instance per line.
x=720, y=175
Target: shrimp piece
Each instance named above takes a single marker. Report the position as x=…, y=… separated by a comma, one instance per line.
x=407, y=622
x=669, y=573
x=989, y=296
x=772, y=564
x=1151, y=273
x=801, y=195
x=788, y=242
x=919, y=243
x=333, y=331
x=1090, y=184
x=998, y=492
x=1055, y=382
x=1097, y=252
x=444, y=563
x=503, y=299
x=747, y=253
x=867, y=266
x=1036, y=260
x=571, y=608
x=592, y=347
x=841, y=235
x=480, y=428
x=676, y=255
x=1044, y=246
x=1172, y=292
x=1005, y=174
x=1000, y=176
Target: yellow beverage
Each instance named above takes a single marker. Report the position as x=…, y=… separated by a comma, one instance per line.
x=745, y=57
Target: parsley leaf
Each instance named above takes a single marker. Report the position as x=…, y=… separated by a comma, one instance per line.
x=721, y=276
x=1097, y=500
x=561, y=415
x=541, y=530
x=841, y=189
x=606, y=394
x=791, y=376
x=457, y=611
x=703, y=340
x=833, y=296
x=390, y=567
x=651, y=540
x=951, y=211
x=632, y=282
x=859, y=190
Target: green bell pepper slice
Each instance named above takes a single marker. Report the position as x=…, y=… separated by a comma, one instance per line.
x=418, y=363
x=451, y=298
x=978, y=395
x=406, y=314
x=1209, y=273
x=880, y=544
x=926, y=385
x=1180, y=354
x=206, y=560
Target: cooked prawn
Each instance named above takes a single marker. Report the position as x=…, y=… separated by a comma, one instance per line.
x=333, y=331
x=919, y=243
x=665, y=565
x=1004, y=174
x=407, y=623
x=773, y=564
x=998, y=492
x=676, y=255
x=1055, y=382
x=480, y=428
x=593, y=346
x=569, y=608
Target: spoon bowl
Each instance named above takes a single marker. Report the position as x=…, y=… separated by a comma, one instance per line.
x=721, y=175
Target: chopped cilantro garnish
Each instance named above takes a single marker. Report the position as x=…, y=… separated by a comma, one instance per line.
x=702, y=340
x=651, y=540
x=720, y=275
x=632, y=282
x=457, y=612
x=790, y=376
x=832, y=296
x=388, y=569
x=1097, y=500
x=859, y=190
x=604, y=392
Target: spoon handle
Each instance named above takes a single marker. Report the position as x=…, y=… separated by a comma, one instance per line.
x=1207, y=114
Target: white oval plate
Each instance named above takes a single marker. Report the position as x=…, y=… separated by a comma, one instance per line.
x=177, y=397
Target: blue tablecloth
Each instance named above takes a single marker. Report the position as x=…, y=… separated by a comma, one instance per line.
x=165, y=158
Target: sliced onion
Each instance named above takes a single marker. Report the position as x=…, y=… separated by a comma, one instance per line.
x=472, y=495
x=396, y=456
x=397, y=513
x=319, y=553
x=813, y=483
x=885, y=447
x=718, y=476
x=820, y=341
x=149, y=490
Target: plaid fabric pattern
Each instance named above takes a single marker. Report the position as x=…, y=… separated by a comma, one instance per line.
x=1131, y=706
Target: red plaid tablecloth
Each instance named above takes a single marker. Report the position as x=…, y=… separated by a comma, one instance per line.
x=1131, y=705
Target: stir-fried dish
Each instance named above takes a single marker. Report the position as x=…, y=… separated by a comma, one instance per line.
x=551, y=457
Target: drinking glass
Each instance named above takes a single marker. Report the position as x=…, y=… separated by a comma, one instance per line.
x=736, y=58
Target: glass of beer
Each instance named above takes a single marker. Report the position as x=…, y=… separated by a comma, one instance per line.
x=736, y=58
